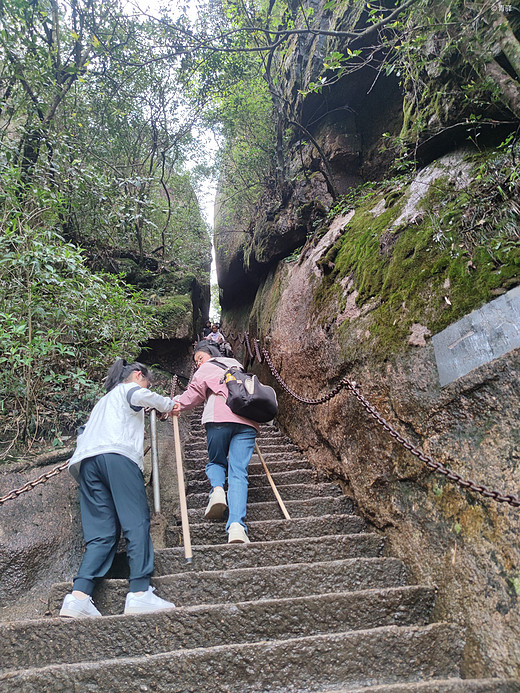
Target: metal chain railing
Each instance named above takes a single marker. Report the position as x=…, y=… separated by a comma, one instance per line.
x=429, y=461
x=438, y=467
x=283, y=385
x=343, y=384
x=32, y=484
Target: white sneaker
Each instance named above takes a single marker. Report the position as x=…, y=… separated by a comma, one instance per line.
x=73, y=607
x=237, y=534
x=217, y=504
x=146, y=603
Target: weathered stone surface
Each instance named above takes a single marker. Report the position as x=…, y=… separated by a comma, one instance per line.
x=276, y=666
x=446, y=686
x=298, y=508
x=237, y=608
x=271, y=530
x=464, y=543
x=26, y=644
x=39, y=540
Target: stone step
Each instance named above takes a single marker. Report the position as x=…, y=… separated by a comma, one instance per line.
x=270, y=553
x=197, y=430
x=269, y=530
x=296, y=476
x=378, y=655
x=198, y=435
x=297, y=508
x=251, y=584
x=439, y=686
x=198, y=473
x=47, y=641
x=265, y=494
x=266, y=448
x=195, y=458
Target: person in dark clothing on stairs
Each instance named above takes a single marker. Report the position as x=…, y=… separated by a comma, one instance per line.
x=230, y=439
x=108, y=464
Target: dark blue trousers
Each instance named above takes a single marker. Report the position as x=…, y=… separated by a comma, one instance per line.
x=113, y=497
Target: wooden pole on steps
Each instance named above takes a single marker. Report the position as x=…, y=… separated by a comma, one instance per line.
x=273, y=485
x=182, y=492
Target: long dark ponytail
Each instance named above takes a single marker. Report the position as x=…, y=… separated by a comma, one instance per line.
x=120, y=370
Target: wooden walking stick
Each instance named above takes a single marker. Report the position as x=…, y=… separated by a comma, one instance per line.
x=182, y=490
x=182, y=493
x=273, y=485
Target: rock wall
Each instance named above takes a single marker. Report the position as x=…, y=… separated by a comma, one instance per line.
x=319, y=326
x=337, y=282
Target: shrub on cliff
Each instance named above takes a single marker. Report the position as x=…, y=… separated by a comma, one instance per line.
x=60, y=326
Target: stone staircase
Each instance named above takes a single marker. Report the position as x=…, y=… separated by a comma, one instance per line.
x=312, y=604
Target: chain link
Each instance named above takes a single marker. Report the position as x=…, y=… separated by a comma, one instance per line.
x=35, y=482
x=351, y=387
x=429, y=461
x=438, y=467
x=283, y=385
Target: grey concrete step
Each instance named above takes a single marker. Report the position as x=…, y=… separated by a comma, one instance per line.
x=195, y=459
x=295, y=476
x=289, y=464
x=270, y=530
x=310, y=663
x=267, y=446
x=47, y=641
x=265, y=493
x=265, y=554
x=251, y=584
x=439, y=686
x=297, y=508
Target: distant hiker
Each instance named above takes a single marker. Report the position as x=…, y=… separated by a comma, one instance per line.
x=215, y=335
x=108, y=464
x=206, y=329
x=230, y=440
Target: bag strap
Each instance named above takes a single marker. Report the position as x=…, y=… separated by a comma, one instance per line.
x=226, y=368
x=219, y=364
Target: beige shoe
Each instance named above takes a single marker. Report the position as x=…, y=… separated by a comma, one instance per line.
x=217, y=504
x=237, y=534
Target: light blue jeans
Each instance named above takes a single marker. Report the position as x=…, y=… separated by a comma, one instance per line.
x=230, y=446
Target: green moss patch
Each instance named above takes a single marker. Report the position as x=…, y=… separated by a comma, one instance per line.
x=173, y=313
x=426, y=272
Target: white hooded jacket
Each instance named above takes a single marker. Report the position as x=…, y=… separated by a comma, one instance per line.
x=116, y=424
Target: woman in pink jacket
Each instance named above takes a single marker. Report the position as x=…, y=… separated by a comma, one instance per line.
x=230, y=440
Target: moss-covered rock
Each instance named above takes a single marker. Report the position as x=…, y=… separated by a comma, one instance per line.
x=175, y=315
x=417, y=266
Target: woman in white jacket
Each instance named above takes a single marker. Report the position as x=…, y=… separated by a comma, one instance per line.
x=108, y=465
